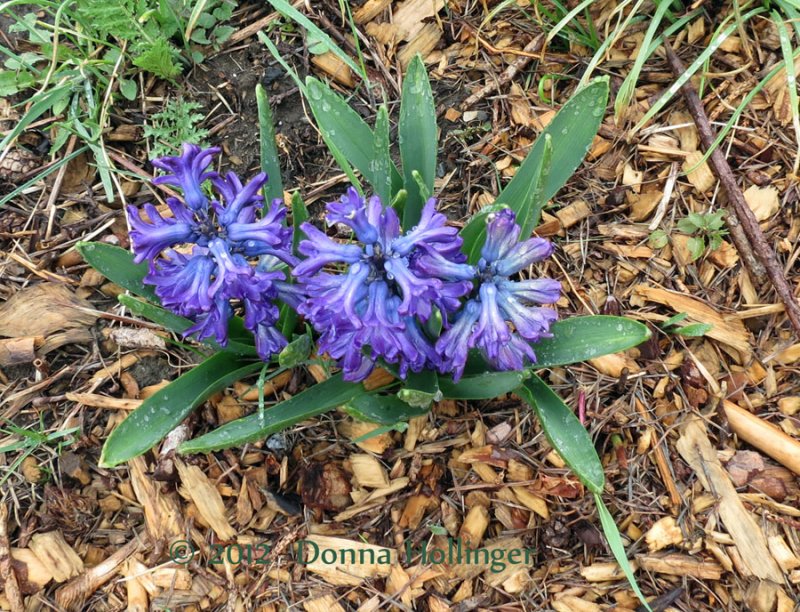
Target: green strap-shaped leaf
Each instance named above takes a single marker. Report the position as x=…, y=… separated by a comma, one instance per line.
x=418, y=138
x=383, y=409
x=577, y=339
x=564, y=432
x=345, y=133
x=487, y=385
x=308, y=403
x=420, y=389
x=270, y=162
x=163, y=411
x=117, y=265
x=382, y=164
x=536, y=199
x=572, y=131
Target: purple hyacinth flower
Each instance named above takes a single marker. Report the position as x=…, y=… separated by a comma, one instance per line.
x=188, y=171
x=237, y=250
x=502, y=317
x=368, y=300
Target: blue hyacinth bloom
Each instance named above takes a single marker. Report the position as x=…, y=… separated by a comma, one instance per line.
x=501, y=317
x=216, y=251
x=368, y=300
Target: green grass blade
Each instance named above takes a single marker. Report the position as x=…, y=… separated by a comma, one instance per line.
x=279, y=58
x=311, y=402
x=628, y=86
x=577, y=339
x=418, y=137
x=162, y=412
x=572, y=131
x=44, y=173
x=270, y=162
x=567, y=19
x=284, y=7
x=617, y=547
x=791, y=82
x=37, y=109
x=564, y=432
x=690, y=71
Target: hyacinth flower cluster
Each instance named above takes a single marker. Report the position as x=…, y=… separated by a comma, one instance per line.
x=216, y=251
x=373, y=306
x=370, y=299
x=376, y=306
x=497, y=301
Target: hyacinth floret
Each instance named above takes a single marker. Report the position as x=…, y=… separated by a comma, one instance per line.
x=502, y=317
x=216, y=250
x=370, y=300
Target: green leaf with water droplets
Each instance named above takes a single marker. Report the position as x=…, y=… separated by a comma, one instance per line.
x=381, y=164
x=270, y=162
x=564, y=431
x=164, y=410
x=310, y=402
x=348, y=136
x=577, y=339
x=572, y=130
x=418, y=138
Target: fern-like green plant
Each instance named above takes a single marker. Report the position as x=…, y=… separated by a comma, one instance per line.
x=177, y=123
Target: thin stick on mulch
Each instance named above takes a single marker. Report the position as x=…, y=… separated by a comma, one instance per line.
x=745, y=216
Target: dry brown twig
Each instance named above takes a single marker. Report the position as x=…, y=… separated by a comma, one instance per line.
x=744, y=215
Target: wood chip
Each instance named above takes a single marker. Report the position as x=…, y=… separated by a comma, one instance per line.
x=680, y=565
x=727, y=329
x=695, y=447
x=664, y=532
x=764, y=436
x=324, y=603
x=574, y=213
x=701, y=178
x=345, y=562
x=162, y=512
x=368, y=471
x=59, y=558
x=19, y=350
x=763, y=201
x=334, y=67
x=197, y=487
